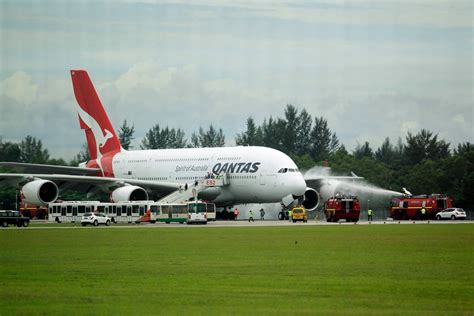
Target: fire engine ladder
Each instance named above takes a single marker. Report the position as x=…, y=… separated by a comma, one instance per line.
x=193, y=190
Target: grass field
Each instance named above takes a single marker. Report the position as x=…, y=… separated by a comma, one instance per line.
x=339, y=269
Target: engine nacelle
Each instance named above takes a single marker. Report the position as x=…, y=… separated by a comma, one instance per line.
x=40, y=192
x=311, y=199
x=129, y=193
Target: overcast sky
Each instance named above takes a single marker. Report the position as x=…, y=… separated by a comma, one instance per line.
x=373, y=69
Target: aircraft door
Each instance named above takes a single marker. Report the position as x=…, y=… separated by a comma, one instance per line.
x=271, y=179
x=118, y=209
x=74, y=213
x=129, y=213
x=63, y=213
x=262, y=179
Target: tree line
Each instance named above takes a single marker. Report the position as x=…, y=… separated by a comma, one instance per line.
x=421, y=162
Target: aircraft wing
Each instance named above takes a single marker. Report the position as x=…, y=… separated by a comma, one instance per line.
x=39, y=168
x=318, y=180
x=86, y=183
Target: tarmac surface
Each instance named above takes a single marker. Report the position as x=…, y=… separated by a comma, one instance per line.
x=238, y=223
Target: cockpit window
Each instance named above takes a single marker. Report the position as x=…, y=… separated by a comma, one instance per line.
x=285, y=170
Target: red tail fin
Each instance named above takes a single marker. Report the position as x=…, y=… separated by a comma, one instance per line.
x=101, y=136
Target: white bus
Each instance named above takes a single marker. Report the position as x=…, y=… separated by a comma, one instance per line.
x=134, y=211
x=70, y=211
x=130, y=211
x=197, y=212
x=168, y=212
x=211, y=212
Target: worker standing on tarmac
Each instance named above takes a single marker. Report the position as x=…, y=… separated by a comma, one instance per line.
x=423, y=213
x=290, y=212
x=236, y=213
x=251, y=216
x=262, y=214
x=369, y=214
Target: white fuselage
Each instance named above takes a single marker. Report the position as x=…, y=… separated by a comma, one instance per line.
x=255, y=174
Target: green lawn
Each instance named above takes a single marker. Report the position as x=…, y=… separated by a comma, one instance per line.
x=334, y=269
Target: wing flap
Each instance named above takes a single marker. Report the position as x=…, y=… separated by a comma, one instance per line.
x=38, y=168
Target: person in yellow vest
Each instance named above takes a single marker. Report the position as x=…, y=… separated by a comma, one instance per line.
x=369, y=214
x=423, y=213
x=251, y=216
x=289, y=215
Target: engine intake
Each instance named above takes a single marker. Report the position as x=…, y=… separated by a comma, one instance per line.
x=311, y=199
x=40, y=192
x=129, y=193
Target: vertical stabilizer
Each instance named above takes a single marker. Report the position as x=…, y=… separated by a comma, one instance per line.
x=100, y=135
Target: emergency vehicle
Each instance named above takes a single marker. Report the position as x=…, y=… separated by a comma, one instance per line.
x=299, y=214
x=32, y=211
x=409, y=207
x=342, y=206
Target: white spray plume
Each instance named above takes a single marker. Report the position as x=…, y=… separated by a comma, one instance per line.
x=348, y=186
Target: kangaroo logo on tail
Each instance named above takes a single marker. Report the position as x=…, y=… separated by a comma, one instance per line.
x=102, y=140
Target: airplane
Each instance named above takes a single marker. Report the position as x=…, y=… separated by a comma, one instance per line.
x=253, y=174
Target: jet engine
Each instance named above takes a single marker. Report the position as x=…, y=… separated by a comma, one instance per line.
x=40, y=192
x=129, y=193
x=311, y=199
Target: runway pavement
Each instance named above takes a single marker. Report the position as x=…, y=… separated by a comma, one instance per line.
x=239, y=223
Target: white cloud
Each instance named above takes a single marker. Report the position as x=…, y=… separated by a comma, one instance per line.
x=149, y=93
x=458, y=119
x=179, y=97
x=426, y=13
x=372, y=68
x=20, y=88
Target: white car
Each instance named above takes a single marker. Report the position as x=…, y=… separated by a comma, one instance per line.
x=95, y=219
x=451, y=213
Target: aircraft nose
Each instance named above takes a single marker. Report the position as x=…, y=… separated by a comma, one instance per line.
x=298, y=185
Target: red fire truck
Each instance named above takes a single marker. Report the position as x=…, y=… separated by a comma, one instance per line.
x=409, y=207
x=32, y=211
x=342, y=206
